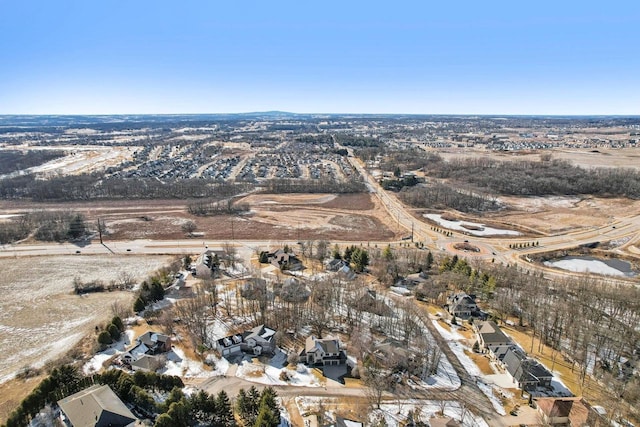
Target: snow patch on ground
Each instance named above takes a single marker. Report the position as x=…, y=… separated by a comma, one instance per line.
x=257, y=372
x=453, y=340
x=459, y=225
x=95, y=364
x=180, y=365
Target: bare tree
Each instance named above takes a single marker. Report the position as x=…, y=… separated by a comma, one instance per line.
x=189, y=227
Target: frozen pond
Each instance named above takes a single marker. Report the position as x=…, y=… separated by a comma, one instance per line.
x=473, y=228
x=589, y=264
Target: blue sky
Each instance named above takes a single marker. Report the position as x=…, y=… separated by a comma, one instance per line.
x=465, y=57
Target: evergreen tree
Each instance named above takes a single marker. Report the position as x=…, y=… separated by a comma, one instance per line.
x=139, y=305
x=77, y=227
x=104, y=338
x=429, y=261
x=187, y=262
x=336, y=252
x=347, y=253
x=179, y=413
x=266, y=418
x=360, y=259
x=118, y=322
x=164, y=420
x=114, y=332
x=268, y=408
x=224, y=413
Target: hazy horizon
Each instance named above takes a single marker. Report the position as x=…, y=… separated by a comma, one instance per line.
x=468, y=58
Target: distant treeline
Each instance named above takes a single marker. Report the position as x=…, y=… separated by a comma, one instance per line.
x=11, y=161
x=94, y=187
x=443, y=196
x=539, y=178
x=278, y=186
x=406, y=159
x=357, y=141
x=211, y=208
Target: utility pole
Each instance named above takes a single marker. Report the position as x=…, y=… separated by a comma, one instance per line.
x=100, y=230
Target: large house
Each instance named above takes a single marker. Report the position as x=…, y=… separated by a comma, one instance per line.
x=462, y=305
x=285, y=260
x=527, y=372
x=256, y=341
x=96, y=406
x=492, y=340
x=323, y=352
x=205, y=264
x=143, y=356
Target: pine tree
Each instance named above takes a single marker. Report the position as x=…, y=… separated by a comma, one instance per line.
x=105, y=338
x=77, y=227
x=429, y=262
x=114, y=332
x=139, y=305
x=224, y=413
x=118, y=322
x=269, y=407
x=387, y=253
x=336, y=252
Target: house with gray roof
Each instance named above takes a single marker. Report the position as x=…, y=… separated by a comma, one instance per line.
x=462, y=305
x=492, y=340
x=528, y=373
x=323, y=352
x=96, y=406
x=256, y=341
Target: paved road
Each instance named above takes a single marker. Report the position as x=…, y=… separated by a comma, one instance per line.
x=498, y=247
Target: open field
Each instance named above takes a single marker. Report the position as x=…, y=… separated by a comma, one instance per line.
x=586, y=158
x=357, y=217
x=41, y=318
x=562, y=214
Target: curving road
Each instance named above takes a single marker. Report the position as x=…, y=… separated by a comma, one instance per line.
x=498, y=247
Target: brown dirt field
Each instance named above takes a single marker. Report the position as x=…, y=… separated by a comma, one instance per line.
x=13, y=392
x=555, y=215
x=352, y=217
x=482, y=361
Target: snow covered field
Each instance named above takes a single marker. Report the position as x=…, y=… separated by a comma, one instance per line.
x=481, y=231
x=41, y=318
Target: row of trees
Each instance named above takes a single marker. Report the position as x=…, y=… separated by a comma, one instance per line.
x=440, y=196
x=51, y=226
x=148, y=293
x=321, y=185
x=111, y=332
x=539, y=178
x=210, y=208
x=14, y=160
x=96, y=187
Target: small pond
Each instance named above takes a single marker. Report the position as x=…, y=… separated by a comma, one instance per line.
x=589, y=264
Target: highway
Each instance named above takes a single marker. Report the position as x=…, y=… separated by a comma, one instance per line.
x=495, y=249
